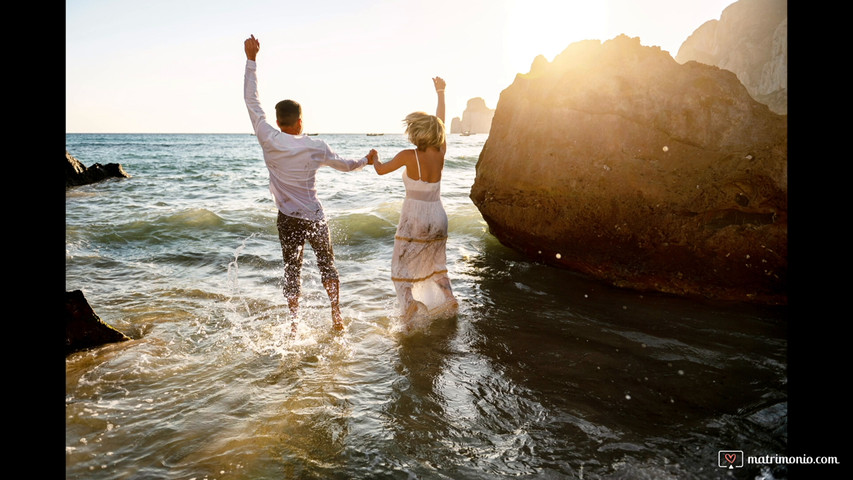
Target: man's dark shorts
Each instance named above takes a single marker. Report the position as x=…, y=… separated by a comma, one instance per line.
x=293, y=232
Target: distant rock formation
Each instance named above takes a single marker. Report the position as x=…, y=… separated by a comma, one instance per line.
x=77, y=174
x=751, y=40
x=83, y=328
x=618, y=162
x=477, y=118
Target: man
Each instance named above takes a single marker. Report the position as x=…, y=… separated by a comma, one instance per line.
x=292, y=160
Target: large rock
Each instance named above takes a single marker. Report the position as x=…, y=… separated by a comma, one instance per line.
x=616, y=161
x=751, y=40
x=83, y=328
x=477, y=118
x=78, y=174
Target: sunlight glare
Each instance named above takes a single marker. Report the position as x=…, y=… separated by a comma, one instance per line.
x=547, y=27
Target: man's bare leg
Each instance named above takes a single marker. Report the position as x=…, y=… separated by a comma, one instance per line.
x=293, y=303
x=333, y=288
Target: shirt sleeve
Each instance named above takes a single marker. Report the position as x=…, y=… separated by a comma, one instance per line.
x=263, y=130
x=343, y=164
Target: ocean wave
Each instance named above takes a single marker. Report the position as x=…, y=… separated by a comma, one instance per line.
x=461, y=161
x=195, y=217
x=180, y=225
x=465, y=219
x=357, y=228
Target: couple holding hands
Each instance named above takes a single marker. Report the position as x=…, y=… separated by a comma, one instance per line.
x=418, y=265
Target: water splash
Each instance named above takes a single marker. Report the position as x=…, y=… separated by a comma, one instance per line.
x=234, y=270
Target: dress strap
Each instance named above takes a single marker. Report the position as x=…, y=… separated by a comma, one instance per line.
x=419, y=164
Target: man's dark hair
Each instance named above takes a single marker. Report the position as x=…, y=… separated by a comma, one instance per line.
x=287, y=112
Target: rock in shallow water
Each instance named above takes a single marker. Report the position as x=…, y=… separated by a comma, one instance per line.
x=83, y=328
x=77, y=174
x=618, y=162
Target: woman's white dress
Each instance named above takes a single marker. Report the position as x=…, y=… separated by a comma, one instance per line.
x=419, y=264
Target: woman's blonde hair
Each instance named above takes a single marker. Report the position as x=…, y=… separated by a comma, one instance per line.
x=425, y=130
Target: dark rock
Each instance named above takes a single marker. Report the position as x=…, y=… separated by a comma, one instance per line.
x=77, y=174
x=618, y=162
x=83, y=328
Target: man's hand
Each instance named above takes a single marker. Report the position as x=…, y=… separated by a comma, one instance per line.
x=372, y=156
x=252, y=46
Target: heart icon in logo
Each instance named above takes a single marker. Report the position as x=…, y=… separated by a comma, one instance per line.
x=730, y=459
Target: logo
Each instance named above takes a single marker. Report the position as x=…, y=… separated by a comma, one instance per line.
x=730, y=459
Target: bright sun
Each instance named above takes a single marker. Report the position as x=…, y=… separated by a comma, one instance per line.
x=547, y=27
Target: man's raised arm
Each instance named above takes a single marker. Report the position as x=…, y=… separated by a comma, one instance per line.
x=250, y=84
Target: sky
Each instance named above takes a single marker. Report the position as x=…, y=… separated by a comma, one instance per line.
x=356, y=66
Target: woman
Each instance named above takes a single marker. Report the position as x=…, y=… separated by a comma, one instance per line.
x=418, y=267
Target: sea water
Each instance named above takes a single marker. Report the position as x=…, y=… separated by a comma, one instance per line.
x=542, y=374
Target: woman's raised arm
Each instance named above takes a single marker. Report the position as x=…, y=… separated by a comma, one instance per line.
x=439, y=90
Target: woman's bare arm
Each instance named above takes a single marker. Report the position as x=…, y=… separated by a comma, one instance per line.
x=398, y=161
x=439, y=90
